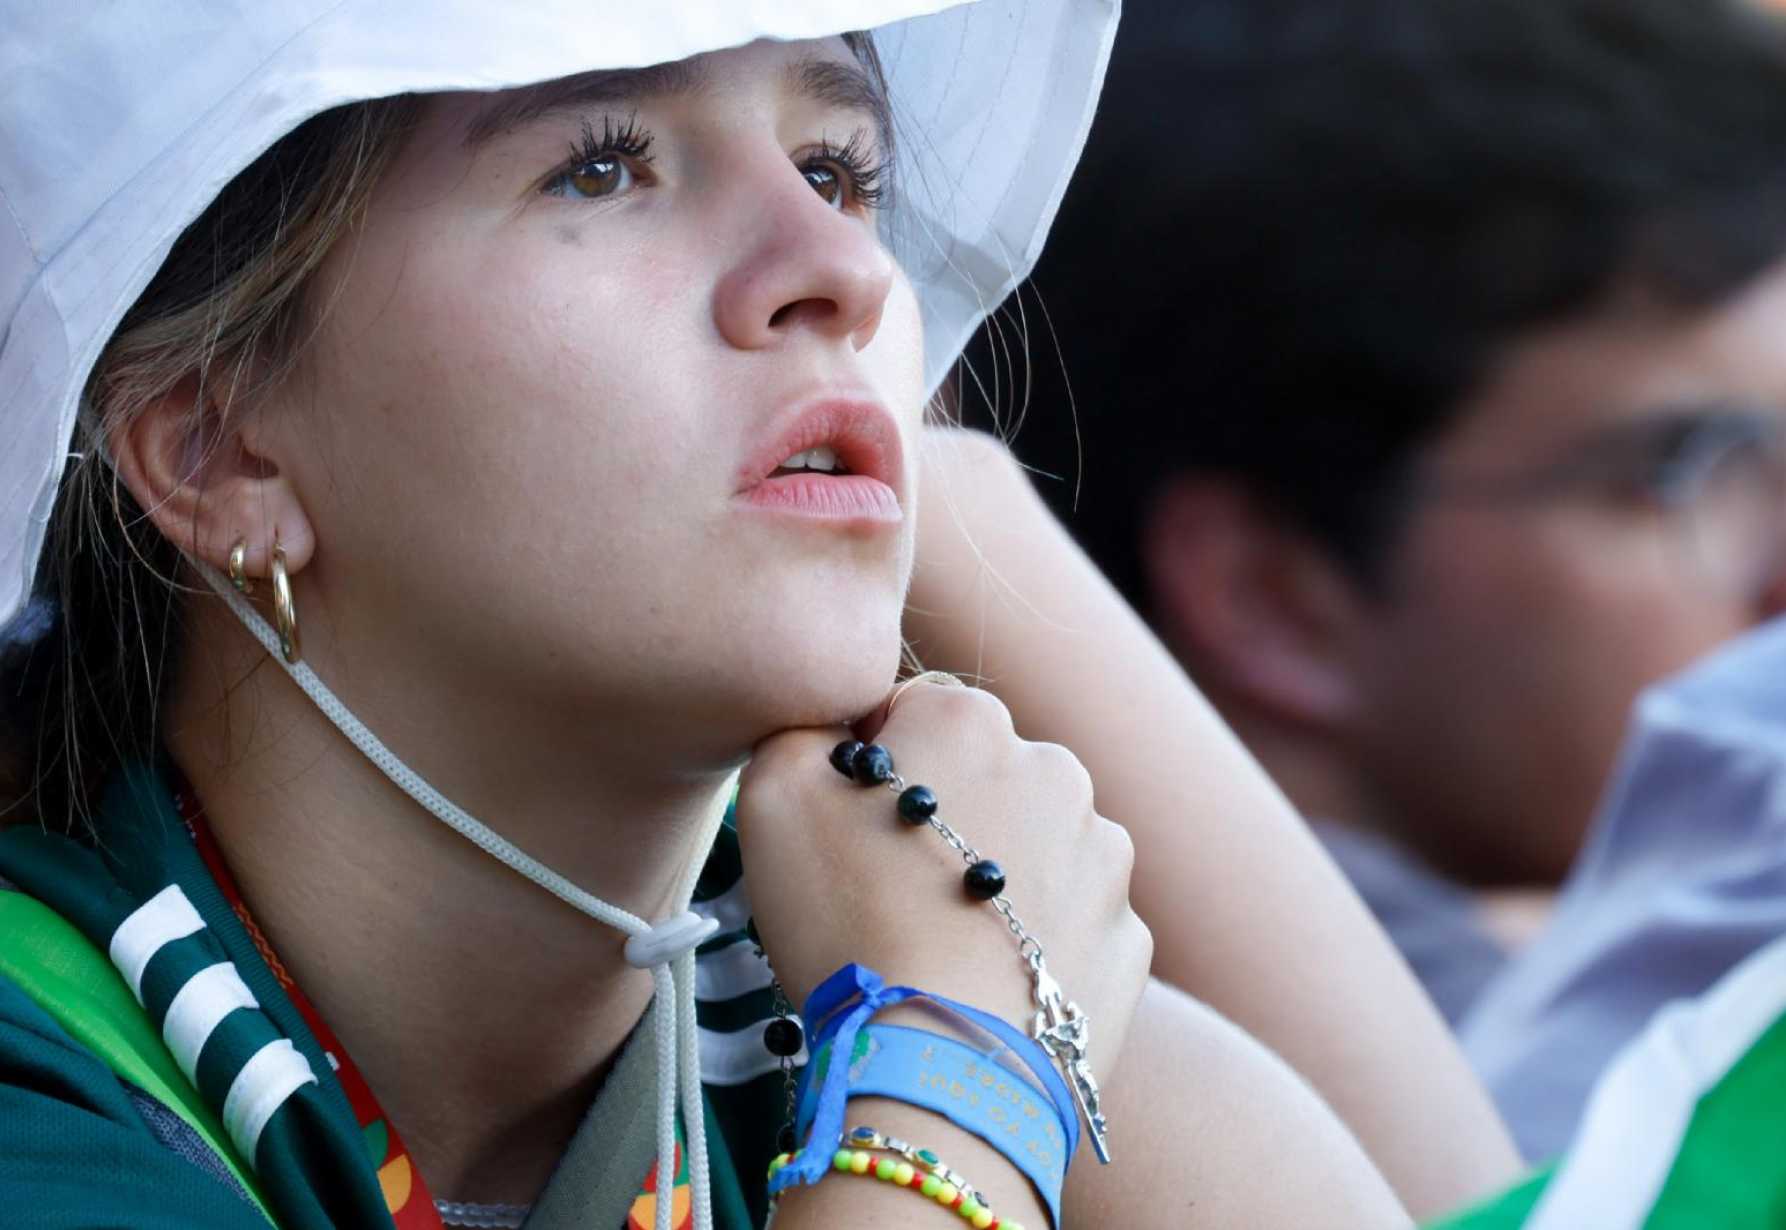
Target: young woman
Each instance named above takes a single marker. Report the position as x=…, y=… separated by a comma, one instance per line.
x=549, y=385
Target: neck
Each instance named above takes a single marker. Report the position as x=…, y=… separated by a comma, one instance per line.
x=482, y=1010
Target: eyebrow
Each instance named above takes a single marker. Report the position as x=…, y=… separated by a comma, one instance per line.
x=846, y=86
x=832, y=82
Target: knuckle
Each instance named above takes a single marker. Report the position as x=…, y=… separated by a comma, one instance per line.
x=1065, y=772
x=979, y=705
x=1119, y=850
x=1138, y=939
x=968, y=711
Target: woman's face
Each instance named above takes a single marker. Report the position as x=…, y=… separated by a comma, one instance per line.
x=541, y=429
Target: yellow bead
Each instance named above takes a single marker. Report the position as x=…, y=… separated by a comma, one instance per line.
x=946, y=1193
x=780, y=1161
x=982, y=1219
x=902, y=1174
x=859, y=1162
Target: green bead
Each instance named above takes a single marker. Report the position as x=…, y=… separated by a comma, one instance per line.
x=840, y=1160
x=883, y=1169
x=968, y=1208
x=931, y=1185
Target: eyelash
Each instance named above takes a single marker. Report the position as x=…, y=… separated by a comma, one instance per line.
x=866, y=173
x=629, y=141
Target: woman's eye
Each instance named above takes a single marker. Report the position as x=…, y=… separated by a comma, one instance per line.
x=599, y=177
x=828, y=184
x=850, y=178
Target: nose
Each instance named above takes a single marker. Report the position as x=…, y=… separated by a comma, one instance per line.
x=802, y=267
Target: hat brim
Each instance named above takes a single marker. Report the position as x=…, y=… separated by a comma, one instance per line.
x=123, y=126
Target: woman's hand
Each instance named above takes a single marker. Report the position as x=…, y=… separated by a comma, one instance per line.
x=835, y=876
x=1251, y=916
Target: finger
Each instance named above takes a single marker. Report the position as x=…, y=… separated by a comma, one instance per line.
x=871, y=723
x=784, y=759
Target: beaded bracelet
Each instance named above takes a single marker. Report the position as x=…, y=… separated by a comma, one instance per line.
x=1062, y=1029
x=920, y=1170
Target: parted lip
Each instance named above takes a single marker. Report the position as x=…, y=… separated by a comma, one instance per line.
x=863, y=433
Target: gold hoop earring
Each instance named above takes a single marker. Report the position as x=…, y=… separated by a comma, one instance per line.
x=238, y=571
x=285, y=610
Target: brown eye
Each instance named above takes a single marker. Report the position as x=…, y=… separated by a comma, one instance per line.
x=826, y=183
x=599, y=177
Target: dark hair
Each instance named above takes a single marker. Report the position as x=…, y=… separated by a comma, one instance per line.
x=1303, y=227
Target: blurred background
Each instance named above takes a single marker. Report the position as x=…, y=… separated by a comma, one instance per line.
x=1418, y=367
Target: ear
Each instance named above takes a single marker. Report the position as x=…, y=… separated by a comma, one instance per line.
x=196, y=474
x=1259, y=610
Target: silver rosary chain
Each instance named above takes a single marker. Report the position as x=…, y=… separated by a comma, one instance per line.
x=1028, y=946
x=789, y=1083
x=1059, y=1026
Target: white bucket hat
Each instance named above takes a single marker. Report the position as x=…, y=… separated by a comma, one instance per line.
x=120, y=122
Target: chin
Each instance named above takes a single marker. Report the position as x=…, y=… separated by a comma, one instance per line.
x=822, y=680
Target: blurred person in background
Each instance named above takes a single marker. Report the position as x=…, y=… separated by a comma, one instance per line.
x=1459, y=421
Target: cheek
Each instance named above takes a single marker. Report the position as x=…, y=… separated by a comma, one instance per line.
x=501, y=387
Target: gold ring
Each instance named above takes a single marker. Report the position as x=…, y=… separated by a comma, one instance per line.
x=940, y=678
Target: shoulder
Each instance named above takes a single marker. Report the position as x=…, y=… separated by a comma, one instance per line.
x=76, y=1148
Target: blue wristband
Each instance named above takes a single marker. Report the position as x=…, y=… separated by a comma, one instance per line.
x=967, y=1087
x=837, y=1011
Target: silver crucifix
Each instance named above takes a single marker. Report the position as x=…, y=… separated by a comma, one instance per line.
x=1064, y=1032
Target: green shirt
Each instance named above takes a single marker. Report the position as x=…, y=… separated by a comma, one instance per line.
x=1685, y=1131
x=107, y=1128
x=83, y=1146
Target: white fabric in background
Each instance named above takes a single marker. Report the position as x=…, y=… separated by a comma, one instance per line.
x=1682, y=878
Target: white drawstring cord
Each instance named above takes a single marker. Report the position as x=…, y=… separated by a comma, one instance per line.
x=667, y=950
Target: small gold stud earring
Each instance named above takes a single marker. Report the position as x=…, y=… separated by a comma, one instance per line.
x=238, y=572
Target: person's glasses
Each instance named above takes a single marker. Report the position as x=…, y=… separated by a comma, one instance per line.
x=1719, y=473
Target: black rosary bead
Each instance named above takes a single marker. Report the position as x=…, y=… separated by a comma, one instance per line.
x=917, y=804
x=843, y=756
x=985, y=880
x=782, y=1037
x=872, y=765
x=785, y=1139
